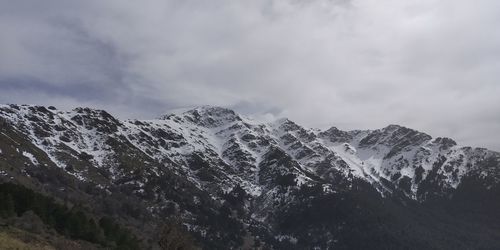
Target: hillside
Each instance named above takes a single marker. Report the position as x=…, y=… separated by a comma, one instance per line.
x=233, y=181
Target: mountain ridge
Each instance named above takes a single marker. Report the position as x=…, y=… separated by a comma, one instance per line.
x=212, y=157
x=216, y=129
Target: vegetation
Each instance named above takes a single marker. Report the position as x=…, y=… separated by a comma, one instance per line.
x=362, y=219
x=7, y=241
x=74, y=223
x=174, y=237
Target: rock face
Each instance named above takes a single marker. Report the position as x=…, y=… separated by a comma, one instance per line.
x=279, y=184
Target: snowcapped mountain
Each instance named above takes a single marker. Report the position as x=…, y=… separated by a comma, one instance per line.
x=199, y=162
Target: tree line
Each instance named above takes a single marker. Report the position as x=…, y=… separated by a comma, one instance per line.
x=73, y=223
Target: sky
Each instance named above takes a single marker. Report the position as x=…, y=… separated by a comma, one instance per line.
x=431, y=65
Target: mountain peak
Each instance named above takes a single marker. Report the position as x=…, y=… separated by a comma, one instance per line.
x=207, y=116
x=393, y=127
x=213, y=110
x=395, y=134
x=334, y=134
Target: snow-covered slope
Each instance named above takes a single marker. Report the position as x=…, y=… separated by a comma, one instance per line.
x=210, y=164
x=407, y=157
x=217, y=148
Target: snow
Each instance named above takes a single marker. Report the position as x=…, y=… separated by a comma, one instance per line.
x=288, y=238
x=226, y=133
x=30, y=157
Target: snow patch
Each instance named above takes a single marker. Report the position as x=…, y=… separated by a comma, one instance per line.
x=31, y=157
x=288, y=238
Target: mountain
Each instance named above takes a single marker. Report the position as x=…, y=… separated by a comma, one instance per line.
x=234, y=182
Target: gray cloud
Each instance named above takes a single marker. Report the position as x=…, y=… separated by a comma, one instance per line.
x=432, y=65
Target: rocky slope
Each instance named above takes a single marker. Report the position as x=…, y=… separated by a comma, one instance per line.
x=238, y=182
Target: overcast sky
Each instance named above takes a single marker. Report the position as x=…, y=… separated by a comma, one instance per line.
x=432, y=65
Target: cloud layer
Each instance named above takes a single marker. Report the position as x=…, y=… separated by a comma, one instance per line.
x=433, y=65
